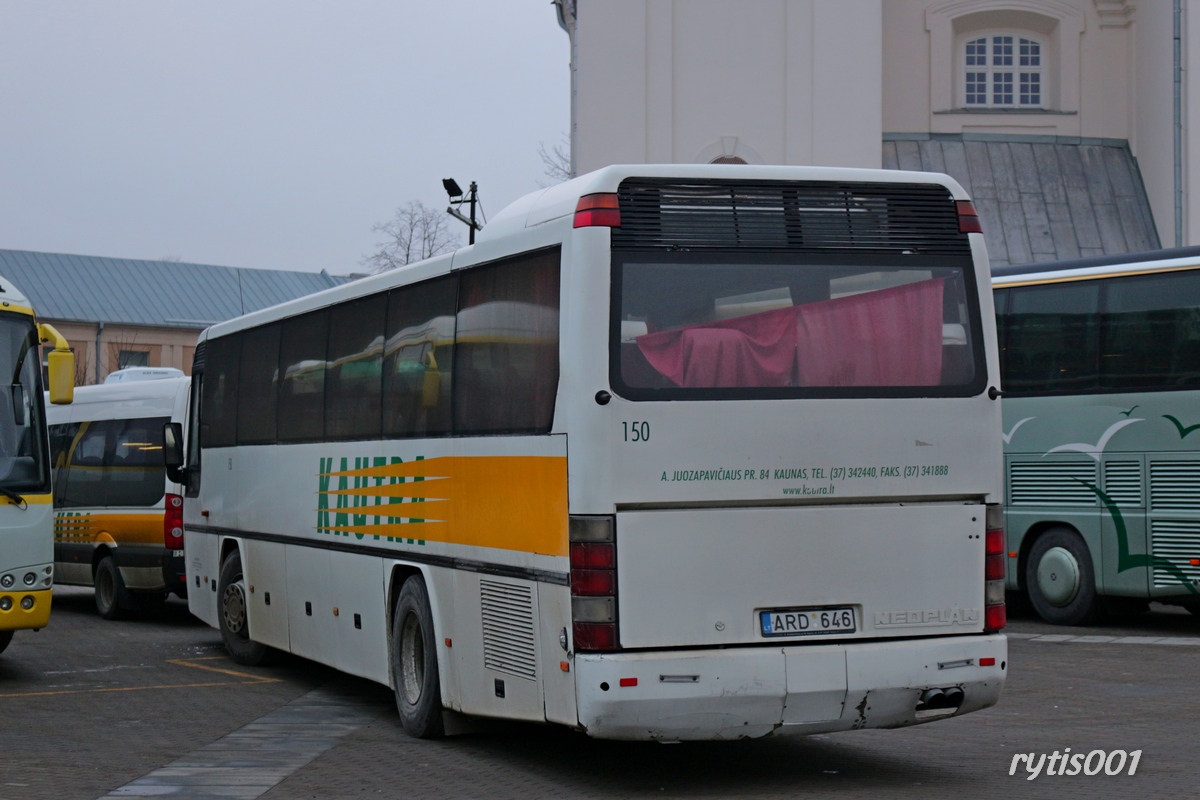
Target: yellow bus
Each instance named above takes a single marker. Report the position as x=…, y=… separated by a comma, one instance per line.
x=26, y=514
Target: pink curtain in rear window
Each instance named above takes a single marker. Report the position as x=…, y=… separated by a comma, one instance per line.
x=892, y=337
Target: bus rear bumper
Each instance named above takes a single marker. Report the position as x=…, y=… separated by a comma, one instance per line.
x=755, y=691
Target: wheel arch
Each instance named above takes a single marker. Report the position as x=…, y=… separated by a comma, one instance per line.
x=399, y=572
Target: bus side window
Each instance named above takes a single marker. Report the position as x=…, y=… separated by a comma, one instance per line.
x=218, y=402
x=418, y=359
x=506, y=349
x=61, y=437
x=85, y=465
x=136, y=475
x=258, y=381
x=353, y=381
x=302, y=383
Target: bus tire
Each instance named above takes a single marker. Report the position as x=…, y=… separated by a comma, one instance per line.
x=5, y=640
x=1060, y=579
x=414, y=662
x=231, y=612
x=111, y=599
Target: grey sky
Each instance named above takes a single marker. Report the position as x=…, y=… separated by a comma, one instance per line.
x=270, y=133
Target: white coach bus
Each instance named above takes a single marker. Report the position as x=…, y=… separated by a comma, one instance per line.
x=671, y=452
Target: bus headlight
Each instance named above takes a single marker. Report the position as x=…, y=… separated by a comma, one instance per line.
x=30, y=577
x=7, y=581
x=27, y=602
x=5, y=603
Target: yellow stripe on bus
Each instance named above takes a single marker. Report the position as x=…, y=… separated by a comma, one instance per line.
x=121, y=528
x=30, y=500
x=508, y=502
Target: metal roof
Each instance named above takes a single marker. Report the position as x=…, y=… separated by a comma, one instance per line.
x=1040, y=198
x=159, y=293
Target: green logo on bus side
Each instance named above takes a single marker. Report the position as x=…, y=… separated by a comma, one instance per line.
x=350, y=510
x=1127, y=560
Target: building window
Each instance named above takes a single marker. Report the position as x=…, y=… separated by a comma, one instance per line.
x=133, y=358
x=1003, y=70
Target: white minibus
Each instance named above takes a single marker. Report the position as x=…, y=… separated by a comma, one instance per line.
x=118, y=518
x=671, y=452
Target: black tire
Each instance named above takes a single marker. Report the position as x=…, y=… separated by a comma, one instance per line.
x=231, y=612
x=5, y=640
x=1060, y=579
x=112, y=598
x=414, y=663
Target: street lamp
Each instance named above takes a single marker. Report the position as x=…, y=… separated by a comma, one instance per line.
x=456, y=199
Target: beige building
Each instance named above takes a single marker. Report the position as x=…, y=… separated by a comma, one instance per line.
x=1024, y=101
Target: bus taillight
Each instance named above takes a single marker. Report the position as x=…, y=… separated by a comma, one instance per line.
x=968, y=217
x=598, y=211
x=995, y=616
x=593, y=583
x=173, y=522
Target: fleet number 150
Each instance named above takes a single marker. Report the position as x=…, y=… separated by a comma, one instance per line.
x=636, y=431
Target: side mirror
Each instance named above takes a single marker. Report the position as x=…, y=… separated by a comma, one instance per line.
x=173, y=452
x=60, y=363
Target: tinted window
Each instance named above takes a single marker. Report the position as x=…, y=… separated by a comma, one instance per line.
x=218, y=403
x=258, y=383
x=506, y=350
x=1151, y=336
x=1052, y=335
x=302, y=366
x=696, y=326
x=111, y=463
x=135, y=476
x=418, y=362
x=84, y=480
x=353, y=378
x=61, y=439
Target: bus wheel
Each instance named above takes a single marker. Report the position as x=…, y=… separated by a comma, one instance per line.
x=110, y=589
x=1060, y=580
x=5, y=639
x=414, y=662
x=235, y=627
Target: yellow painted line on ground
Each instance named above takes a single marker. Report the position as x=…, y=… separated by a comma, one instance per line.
x=252, y=679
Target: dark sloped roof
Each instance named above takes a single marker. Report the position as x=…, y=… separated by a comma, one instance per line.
x=160, y=293
x=1040, y=198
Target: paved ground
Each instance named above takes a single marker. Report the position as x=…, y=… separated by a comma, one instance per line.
x=151, y=707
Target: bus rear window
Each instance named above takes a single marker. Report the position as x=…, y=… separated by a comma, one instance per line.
x=707, y=329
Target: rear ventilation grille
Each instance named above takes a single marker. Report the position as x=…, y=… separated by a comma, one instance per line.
x=1175, y=485
x=805, y=217
x=198, y=357
x=1051, y=484
x=1179, y=543
x=508, y=637
x=1123, y=482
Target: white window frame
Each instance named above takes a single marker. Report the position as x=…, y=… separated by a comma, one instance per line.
x=1019, y=55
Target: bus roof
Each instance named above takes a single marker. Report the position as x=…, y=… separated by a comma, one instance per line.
x=1097, y=266
x=557, y=203
x=11, y=295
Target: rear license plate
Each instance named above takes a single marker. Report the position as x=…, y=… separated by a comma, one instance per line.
x=806, y=621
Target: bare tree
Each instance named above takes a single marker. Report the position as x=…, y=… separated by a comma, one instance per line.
x=413, y=233
x=556, y=162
